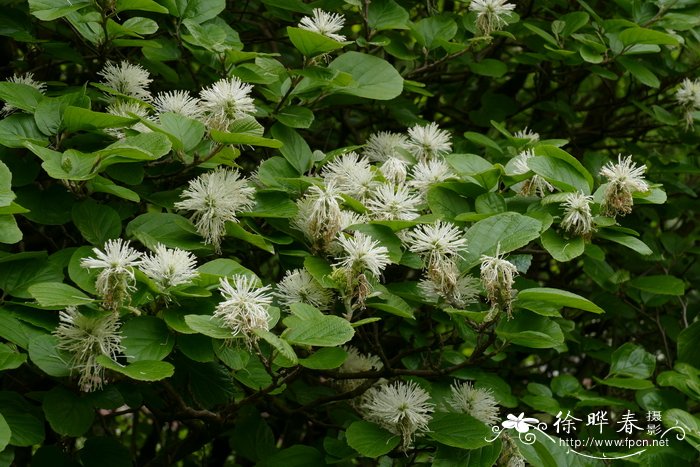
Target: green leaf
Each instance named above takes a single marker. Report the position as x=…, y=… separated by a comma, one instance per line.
x=637, y=35
x=555, y=297
x=486, y=456
x=96, y=222
x=295, y=149
x=660, y=285
x=105, y=452
x=146, y=338
x=209, y=326
x=510, y=230
x=633, y=361
x=559, y=173
x=57, y=295
x=5, y=433
x=626, y=383
x=19, y=95
x=326, y=358
x=688, y=345
x=171, y=230
x=555, y=153
x=9, y=359
x=23, y=419
x=489, y=67
x=77, y=119
x=68, y=414
x=433, y=31
x=299, y=455
x=19, y=129
x=143, y=370
x=139, y=5
x=485, y=141
x=198, y=11
x=323, y=331
x=311, y=43
x=446, y=203
x=49, y=10
x=243, y=139
x=188, y=132
x=531, y=330
x=43, y=352
x=295, y=116
x=386, y=14
x=370, y=440
x=282, y=346
x=9, y=232
x=561, y=249
x=385, y=237
x=640, y=71
x=372, y=77
x=626, y=240
x=458, y=430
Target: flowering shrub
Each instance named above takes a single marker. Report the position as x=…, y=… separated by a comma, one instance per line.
x=350, y=232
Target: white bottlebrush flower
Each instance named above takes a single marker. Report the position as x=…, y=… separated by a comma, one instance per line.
x=402, y=408
x=362, y=253
x=327, y=24
x=437, y=242
x=688, y=96
x=351, y=174
x=427, y=142
x=393, y=202
x=577, y=218
x=129, y=109
x=298, y=286
x=479, y=403
x=169, y=267
x=86, y=337
x=348, y=218
x=319, y=215
x=125, y=78
x=536, y=185
x=225, y=101
x=528, y=134
x=497, y=275
x=448, y=284
x=179, y=102
x=28, y=79
x=117, y=276
x=245, y=306
x=427, y=173
x=357, y=363
x=394, y=170
x=384, y=145
x=215, y=198
x=490, y=14
x=624, y=178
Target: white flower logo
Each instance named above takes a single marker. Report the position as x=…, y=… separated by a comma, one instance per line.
x=520, y=423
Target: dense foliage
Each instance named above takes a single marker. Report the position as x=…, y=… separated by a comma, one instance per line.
x=348, y=232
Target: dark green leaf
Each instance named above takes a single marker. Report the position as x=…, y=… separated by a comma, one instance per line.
x=370, y=440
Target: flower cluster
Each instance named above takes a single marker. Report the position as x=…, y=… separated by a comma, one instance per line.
x=688, y=96
x=167, y=267
x=440, y=245
x=497, y=275
x=324, y=23
x=245, y=307
x=214, y=198
x=357, y=362
x=578, y=219
x=490, y=14
x=298, y=286
x=401, y=408
x=477, y=402
x=624, y=178
x=86, y=336
x=360, y=255
x=218, y=105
